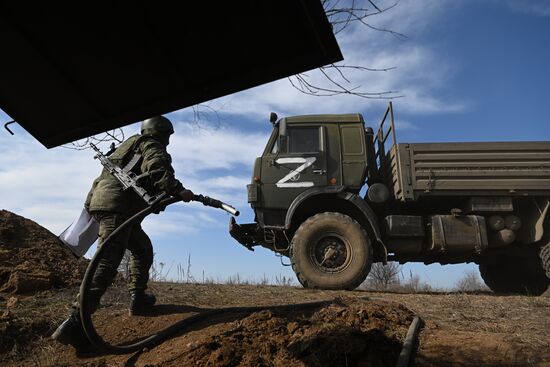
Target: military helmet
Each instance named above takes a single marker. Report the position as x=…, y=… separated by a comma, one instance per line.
x=157, y=124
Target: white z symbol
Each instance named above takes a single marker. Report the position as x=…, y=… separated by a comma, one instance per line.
x=283, y=182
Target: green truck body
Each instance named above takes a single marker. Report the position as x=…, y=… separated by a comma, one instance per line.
x=468, y=169
x=486, y=203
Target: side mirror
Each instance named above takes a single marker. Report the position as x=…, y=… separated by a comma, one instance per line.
x=273, y=117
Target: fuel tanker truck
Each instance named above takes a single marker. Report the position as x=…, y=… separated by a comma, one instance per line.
x=334, y=197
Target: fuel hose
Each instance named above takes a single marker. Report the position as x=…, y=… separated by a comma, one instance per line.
x=160, y=336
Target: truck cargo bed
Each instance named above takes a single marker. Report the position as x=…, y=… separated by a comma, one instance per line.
x=495, y=168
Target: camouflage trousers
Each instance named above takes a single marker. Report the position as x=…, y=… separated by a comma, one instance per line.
x=132, y=238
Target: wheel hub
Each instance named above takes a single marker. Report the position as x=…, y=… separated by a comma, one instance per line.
x=331, y=253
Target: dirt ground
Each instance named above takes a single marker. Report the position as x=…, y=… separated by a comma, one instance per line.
x=356, y=329
x=39, y=277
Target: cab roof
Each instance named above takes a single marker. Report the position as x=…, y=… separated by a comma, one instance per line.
x=328, y=118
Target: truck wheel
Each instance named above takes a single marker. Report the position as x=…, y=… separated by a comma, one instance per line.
x=510, y=275
x=331, y=251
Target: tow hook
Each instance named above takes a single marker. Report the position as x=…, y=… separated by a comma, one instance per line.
x=238, y=233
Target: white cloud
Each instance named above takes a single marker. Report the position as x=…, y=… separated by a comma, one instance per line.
x=405, y=125
x=227, y=182
x=409, y=17
x=196, y=150
x=48, y=186
x=176, y=223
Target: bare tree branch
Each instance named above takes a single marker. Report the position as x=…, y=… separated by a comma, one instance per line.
x=116, y=135
x=302, y=85
x=341, y=17
x=342, y=14
x=204, y=112
x=381, y=276
x=374, y=6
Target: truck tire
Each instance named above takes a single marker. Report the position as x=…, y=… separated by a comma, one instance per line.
x=331, y=251
x=511, y=275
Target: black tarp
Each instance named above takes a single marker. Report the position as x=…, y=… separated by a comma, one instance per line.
x=71, y=70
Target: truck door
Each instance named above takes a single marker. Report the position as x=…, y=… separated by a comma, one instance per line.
x=291, y=169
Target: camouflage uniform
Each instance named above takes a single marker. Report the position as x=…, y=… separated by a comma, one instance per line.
x=111, y=206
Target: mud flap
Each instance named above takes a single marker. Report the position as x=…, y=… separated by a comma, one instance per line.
x=81, y=234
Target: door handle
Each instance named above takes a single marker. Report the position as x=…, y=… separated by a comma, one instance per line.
x=319, y=171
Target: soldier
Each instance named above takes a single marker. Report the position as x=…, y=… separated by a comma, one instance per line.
x=111, y=206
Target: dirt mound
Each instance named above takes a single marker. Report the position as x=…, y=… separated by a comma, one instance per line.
x=346, y=333
x=32, y=258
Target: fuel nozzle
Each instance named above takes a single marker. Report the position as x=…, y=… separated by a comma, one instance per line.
x=215, y=203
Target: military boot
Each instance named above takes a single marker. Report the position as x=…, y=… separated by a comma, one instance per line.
x=71, y=332
x=141, y=303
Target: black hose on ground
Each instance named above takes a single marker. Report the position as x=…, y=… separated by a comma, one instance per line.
x=160, y=336
x=409, y=343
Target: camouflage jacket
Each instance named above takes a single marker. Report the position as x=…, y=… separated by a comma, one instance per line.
x=107, y=194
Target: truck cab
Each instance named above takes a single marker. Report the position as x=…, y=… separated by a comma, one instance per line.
x=307, y=155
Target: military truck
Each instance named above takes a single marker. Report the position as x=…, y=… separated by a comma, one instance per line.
x=335, y=197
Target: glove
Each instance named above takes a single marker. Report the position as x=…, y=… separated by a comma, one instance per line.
x=186, y=195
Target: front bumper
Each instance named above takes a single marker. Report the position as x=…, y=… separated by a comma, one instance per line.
x=245, y=234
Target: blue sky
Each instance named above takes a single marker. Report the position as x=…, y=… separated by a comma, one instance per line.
x=468, y=71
